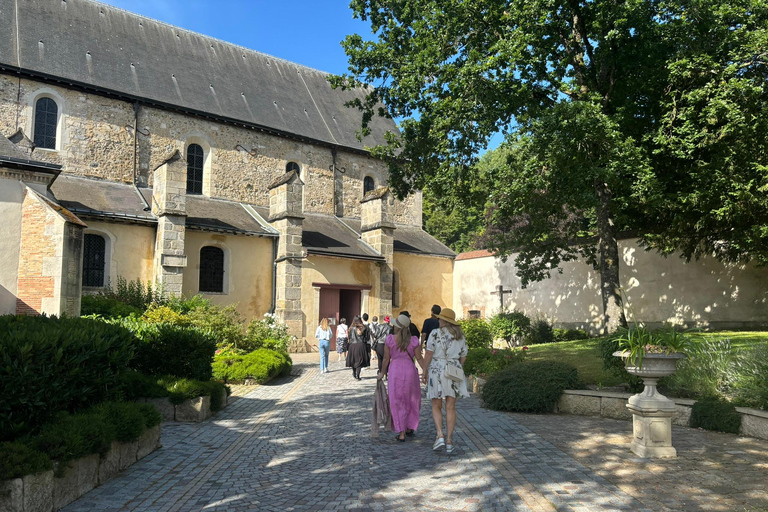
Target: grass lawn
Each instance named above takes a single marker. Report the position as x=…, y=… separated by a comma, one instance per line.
x=585, y=354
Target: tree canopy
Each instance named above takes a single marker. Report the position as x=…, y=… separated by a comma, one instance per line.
x=638, y=115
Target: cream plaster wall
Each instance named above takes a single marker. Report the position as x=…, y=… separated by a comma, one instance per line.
x=423, y=281
x=131, y=249
x=97, y=138
x=319, y=269
x=11, y=197
x=702, y=293
x=247, y=271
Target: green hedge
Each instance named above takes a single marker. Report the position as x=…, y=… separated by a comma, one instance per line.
x=107, y=307
x=715, y=414
x=53, y=364
x=167, y=349
x=486, y=362
x=261, y=365
x=137, y=385
x=529, y=386
x=477, y=333
x=540, y=332
x=18, y=459
x=569, y=334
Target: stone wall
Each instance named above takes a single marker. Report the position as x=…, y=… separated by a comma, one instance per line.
x=704, y=293
x=421, y=282
x=97, y=139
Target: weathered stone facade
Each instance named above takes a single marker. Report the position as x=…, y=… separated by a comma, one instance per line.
x=169, y=205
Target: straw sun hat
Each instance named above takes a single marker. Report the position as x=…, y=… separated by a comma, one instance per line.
x=448, y=315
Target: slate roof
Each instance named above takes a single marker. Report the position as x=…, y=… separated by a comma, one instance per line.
x=411, y=239
x=12, y=154
x=326, y=235
x=104, y=48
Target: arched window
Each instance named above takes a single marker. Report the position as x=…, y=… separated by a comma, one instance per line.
x=46, y=122
x=94, y=260
x=211, y=270
x=292, y=166
x=368, y=185
x=195, y=163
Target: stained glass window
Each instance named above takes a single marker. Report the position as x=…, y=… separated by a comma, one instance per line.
x=46, y=120
x=195, y=161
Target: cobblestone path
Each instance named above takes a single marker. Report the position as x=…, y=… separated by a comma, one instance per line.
x=304, y=444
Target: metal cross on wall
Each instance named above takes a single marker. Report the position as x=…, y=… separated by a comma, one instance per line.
x=500, y=291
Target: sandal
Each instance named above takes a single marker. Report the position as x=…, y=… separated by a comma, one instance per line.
x=449, y=448
x=439, y=443
x=397, y=437
x=410, y=433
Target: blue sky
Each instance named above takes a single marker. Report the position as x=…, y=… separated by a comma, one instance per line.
x=303, y=31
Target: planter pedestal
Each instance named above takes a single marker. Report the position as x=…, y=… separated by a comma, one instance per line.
x=652, y=412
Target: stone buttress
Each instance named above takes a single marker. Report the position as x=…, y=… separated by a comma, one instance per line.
x=169, y=205
x=378, y=231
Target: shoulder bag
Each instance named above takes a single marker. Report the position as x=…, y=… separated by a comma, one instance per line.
x=454, y=373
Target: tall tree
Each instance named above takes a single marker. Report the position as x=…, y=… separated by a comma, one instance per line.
x=581, y=88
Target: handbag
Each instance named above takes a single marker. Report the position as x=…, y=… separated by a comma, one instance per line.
x=454, y=373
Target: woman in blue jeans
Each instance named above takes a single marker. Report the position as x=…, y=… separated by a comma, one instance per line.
x=323, y=335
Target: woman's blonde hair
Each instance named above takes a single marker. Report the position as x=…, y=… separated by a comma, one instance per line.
x=453, y=329
x=324, y=324
x=402, y=338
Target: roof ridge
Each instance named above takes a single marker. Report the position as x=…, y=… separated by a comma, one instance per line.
x=188, y=31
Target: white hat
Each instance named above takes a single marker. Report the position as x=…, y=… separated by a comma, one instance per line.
x=402, y=322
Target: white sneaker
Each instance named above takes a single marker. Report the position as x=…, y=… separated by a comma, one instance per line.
x=439, y=443
x=448, y=448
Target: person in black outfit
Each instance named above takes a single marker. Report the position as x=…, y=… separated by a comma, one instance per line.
x=414, y=330
x=357, y=351
x=430, y=324
x=379, y=336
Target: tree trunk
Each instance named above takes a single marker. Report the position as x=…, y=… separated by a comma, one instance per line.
x=608, y=249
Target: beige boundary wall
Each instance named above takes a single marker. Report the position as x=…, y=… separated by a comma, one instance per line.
x=704, y=293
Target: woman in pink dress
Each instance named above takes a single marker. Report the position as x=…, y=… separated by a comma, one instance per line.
x=400, y=349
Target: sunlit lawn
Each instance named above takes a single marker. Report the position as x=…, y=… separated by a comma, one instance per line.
x=585, y=354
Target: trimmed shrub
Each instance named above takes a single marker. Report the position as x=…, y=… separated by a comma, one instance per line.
x=529, y=386
x=70, y=437
x=167, y=349
x=474, y=359
x=261, y=365
x=157, y=314
x=127, y=419
x=136, y=385
x=540, y=332
x=267, y=332
x=569, y=334
x=152, y=416
x=715, y=414
x=106, y=307
x=511, y=327
x=477, y=332
x=17, y=460
x=180, y=390
x=53, y=364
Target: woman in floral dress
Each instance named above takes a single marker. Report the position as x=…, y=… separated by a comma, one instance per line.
x=445, y=346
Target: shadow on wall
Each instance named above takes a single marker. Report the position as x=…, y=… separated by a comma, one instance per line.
x=7, y=301
x=704, y=293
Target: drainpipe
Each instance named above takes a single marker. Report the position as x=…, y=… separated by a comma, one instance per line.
x=136, y=154
x=275, y=241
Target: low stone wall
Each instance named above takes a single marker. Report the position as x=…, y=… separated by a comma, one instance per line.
x=46, y=493
x=754, y=423
x=193, y=410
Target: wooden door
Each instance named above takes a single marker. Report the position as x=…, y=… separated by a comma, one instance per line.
x=329, y=308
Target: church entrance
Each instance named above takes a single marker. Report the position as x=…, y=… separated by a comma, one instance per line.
x=337, y=302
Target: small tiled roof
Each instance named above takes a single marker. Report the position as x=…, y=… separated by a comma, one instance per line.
x=327, y=235
x=474, y=254
x=410, y=239
x=11, y=153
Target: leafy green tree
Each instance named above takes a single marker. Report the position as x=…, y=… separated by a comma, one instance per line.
x=588, y=93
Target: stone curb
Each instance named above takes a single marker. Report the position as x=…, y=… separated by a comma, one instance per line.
x=44, y=492
x=194, y=410
x=754, y=423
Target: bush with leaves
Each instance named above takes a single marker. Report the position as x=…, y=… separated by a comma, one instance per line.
x=261, y=365
x=709, y=370
x=615, y=365
x=180, y=390
x=106, y=307
x=18, y=459
x=477, y=333
x=267, y=332
x=569, y=334
x=511, y=327
x=54, y=364
x=750, y=386
x=135, y=293
x=529, y=386
x=712, y=413
x=540, y=332
x=475, y=358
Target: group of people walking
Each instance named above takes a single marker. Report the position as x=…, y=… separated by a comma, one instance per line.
x=439, y=351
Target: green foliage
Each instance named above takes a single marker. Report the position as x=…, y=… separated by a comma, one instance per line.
x=711, y=369
x=127, y=419
x=18, y=459
x=530, y=386
x=164, y=349
x=135, y=293
x=715, y=414
x=541, y=332
x=152, y=416
x=749, y=387
x=223, y=323
x=135, y=385
x=511, y=327
x=569, y=334
x=637, y=340
x=615, y=365
x=477, y=333
x=69, y=437
x=180, y=390
x=484, y=362
x=267, y=332
x=475, y=357
x=159, y=314
x=261, y=365
x=106, y=307
x=53, y=364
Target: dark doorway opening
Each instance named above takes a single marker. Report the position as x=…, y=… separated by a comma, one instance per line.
x=337, y=303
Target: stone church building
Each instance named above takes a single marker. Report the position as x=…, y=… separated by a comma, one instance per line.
x=132, y=148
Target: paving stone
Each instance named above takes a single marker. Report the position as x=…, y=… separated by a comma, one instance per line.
x=303, y=443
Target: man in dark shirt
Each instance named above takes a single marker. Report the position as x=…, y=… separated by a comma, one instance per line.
x=412, y=327
x=430, y=324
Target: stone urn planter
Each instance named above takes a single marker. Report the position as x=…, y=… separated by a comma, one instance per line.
x=651, y=411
